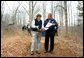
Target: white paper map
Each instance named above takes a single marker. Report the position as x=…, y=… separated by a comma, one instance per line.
x=46, y=28
x=49, y=24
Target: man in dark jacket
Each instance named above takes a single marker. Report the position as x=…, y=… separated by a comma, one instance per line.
x=50, y=33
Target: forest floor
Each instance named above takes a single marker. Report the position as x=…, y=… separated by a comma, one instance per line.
x=16, y=43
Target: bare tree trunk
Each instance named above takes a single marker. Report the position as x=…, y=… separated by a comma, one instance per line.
x=70, y=14
x=61, y=14
x=54, y=10
x=66, y=21
x=52, y=7
x=2, y=11
x=44, y=10
x=30, y=11
x=14, y=15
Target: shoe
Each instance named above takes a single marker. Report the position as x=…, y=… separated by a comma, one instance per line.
x=45, y=51
x=51, y=52
x=37, y=52
x=32, y=53
x=56, y=34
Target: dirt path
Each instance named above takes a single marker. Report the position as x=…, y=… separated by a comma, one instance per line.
x=18, y=45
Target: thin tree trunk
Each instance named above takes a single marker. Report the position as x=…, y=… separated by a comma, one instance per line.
x=52, y=7
x=44, y=10
x=30, y=11
x=66, y=21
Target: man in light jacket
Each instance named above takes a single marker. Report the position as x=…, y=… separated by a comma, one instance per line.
x=36, y=34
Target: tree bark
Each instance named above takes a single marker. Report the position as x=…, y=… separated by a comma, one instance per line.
x=66, y=21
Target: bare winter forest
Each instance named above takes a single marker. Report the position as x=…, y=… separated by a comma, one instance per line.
x=15, y=42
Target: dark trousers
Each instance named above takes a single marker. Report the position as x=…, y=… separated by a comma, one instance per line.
x=49, y=35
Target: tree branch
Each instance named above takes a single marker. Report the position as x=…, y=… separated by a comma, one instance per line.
x=24, y=8
x=59, y=6
x=34, y=5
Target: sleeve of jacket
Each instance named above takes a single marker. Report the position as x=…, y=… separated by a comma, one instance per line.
x=40, y=24
x=56, y=24
x=45, y=23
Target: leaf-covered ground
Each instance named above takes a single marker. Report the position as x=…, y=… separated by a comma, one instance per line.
x=16, y=43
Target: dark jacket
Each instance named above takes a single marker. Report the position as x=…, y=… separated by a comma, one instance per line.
x=37, y=23
x=52, y=28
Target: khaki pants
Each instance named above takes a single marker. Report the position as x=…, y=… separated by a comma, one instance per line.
x=36, y=38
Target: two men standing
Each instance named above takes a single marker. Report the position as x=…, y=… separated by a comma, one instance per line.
x=36, y=33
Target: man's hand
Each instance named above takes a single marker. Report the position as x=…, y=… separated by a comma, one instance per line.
x=37, y=27
x=53, y=24
x=42, y=29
